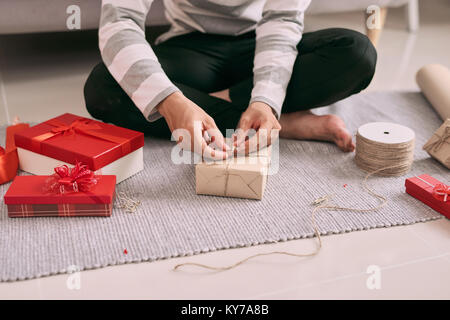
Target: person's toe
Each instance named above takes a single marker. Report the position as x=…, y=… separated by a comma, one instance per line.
x=343, y=140
x=351, y=146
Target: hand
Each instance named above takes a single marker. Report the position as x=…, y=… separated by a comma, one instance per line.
x=260, y=117
x=181, y=115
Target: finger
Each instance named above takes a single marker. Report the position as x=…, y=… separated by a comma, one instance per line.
x=210, y=153
x=241, y=147
x=258, y=141
x=274, y=135
x=242, y=131
x=219, y=143
x=205, y=150
x=182, y=138
x=207, y=137
x=217, y=138
x=241, y=136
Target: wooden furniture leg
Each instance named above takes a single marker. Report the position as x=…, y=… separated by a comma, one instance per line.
x=374, y=23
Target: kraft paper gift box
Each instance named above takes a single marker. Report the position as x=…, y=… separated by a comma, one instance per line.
x=26, y=198
x=439, y=144
x=69, y=138
x=430, y=191
x=240, y=177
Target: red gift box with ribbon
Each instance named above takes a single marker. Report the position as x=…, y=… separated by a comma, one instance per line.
x=430, y=191
x=70, y=192
x=70, y=138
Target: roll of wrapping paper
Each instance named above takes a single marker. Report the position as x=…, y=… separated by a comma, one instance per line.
x=434, y=81
x=9, y=161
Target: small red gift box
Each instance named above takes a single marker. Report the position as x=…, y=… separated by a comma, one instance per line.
x=430, y=191
x=26, y=198
x=69, y=138
x=9, y=161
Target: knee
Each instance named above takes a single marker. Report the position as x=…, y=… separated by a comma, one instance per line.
x=94, y=91
x=360, y=55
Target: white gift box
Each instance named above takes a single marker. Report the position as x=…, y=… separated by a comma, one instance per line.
x=67, y=139
x=122, y=168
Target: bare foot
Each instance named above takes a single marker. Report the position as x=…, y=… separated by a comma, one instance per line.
x=304, y=125
x=224, y=95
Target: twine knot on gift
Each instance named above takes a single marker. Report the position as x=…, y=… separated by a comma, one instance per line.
x=76, y=179
x=227, y=178
x=440, y=141
x=440, y=192
x=229, y=172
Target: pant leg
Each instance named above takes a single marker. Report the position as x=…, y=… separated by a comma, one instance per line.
x=332, y=64
x=108, y=102
x=192, y=62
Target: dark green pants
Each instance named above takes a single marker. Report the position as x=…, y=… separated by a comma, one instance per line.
x=332, y=64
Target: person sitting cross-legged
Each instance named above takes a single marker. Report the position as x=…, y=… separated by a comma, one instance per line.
x=245, y=64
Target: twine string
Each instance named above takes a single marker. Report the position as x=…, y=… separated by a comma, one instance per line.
x=321, y=203
x=374, y=157
x=127, y=203
x=441, y=140
x=227, y=169
x=227, y=178
x=371, y=155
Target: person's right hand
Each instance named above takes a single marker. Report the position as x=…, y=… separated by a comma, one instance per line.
x=181, y=113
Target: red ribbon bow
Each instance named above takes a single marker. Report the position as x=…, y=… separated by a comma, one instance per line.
x=441, y=192
x=79, y=125
x=76, y=179
x=83, y=126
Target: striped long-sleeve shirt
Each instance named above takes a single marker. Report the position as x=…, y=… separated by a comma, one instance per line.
x=131, y=61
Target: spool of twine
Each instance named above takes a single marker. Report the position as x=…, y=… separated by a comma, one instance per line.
x=382, y=148
x=385, y=145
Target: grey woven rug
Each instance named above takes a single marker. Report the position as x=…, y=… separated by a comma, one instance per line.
x=173, y=221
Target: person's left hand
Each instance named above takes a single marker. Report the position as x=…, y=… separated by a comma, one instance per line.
x=260, y=117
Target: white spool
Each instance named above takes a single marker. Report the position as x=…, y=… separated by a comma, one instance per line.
x=386, y=132
x=385, y=145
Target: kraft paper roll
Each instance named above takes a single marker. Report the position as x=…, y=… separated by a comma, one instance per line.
x=434, y=81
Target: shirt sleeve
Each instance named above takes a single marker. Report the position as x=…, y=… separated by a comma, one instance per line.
x=277, y=36
x=129, y=57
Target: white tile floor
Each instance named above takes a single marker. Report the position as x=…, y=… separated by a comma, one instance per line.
x=43, y=76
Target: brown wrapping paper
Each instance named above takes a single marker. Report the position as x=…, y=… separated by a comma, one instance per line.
x=434, y=81
x=241, y=177
x=439, y=144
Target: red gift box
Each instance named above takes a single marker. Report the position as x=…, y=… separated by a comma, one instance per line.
x=423, y=188
x=71, y=138
x=26, y=198
x=9, y=161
